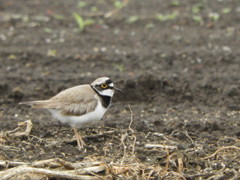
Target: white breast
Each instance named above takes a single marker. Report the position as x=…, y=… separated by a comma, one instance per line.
x=80, y=121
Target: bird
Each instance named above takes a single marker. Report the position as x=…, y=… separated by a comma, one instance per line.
x=79, y=106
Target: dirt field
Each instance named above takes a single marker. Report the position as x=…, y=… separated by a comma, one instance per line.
x=177, y=62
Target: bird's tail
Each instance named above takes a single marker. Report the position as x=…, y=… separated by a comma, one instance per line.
x=36, y=104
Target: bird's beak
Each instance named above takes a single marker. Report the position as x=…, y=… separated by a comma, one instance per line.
x=117, y=89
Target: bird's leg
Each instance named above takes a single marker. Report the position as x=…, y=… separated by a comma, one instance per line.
x=80, y=141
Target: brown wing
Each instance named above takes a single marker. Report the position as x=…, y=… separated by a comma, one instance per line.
x=74, y=101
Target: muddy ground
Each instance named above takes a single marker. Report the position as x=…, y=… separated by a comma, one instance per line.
x=176, y=61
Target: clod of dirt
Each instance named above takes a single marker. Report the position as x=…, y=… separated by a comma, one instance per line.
x=3, y=89
x=232, y=90
x=17, y=94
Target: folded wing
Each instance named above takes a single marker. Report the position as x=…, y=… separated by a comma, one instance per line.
x=74, y=101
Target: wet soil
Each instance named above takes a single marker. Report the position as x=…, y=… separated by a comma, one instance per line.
x=180, y=75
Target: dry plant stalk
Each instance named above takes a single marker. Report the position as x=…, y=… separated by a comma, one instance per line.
x=222, y=148
x=133, y=132
x=10, y=173
x=2, y=138
x=74, y=170
x=125, y=136
x=16, y=133
x=160, y=146
x=180, y=164
x=9, y=148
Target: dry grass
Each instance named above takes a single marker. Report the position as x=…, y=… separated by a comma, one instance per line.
x=126, y=167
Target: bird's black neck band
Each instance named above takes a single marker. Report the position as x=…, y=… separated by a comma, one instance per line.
x=105, y=100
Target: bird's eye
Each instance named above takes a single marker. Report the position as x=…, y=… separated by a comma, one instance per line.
x=104, y=85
